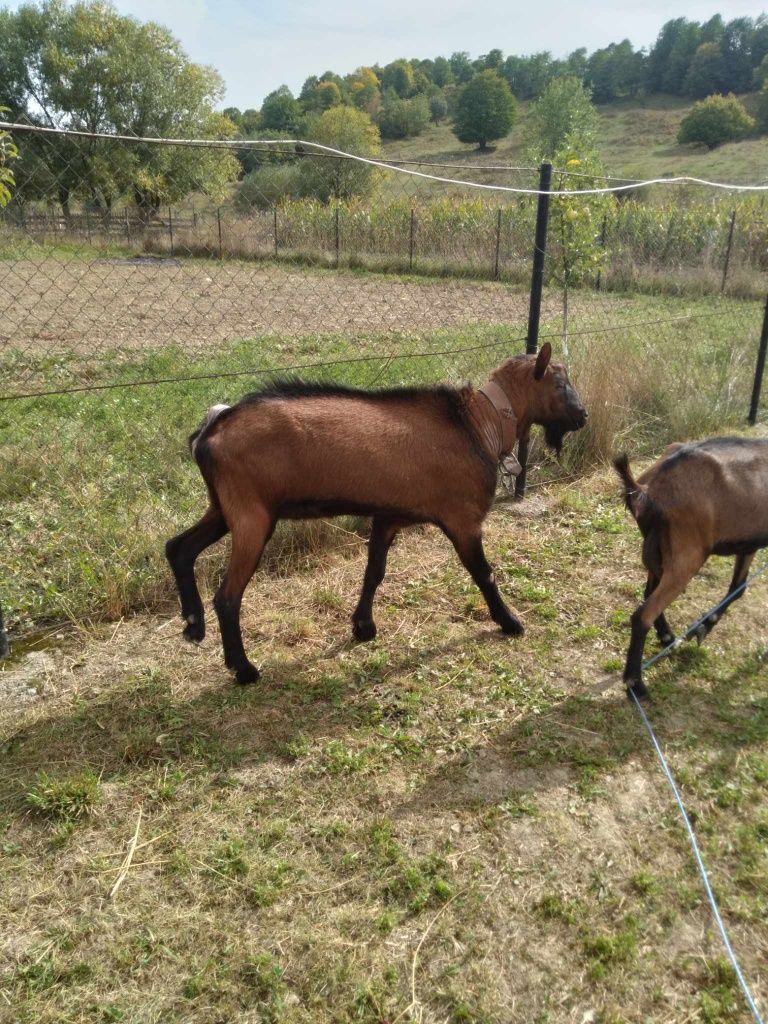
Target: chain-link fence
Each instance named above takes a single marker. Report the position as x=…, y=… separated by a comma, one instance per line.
x=143, y=283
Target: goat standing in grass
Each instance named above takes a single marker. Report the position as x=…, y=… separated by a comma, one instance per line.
x=700, y=499
x=402, y=456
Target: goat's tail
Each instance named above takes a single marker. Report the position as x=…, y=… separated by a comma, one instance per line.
x=210, y=418
x=635, y=495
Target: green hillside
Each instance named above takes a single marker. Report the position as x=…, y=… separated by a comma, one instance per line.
x=636, y=139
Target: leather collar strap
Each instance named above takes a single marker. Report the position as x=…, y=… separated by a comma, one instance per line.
x=505, y=417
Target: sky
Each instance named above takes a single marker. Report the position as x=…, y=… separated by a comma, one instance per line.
x=257, y=46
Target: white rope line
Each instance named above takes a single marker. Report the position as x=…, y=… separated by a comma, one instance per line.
x=700, y=862
x=673, y=786
x=242, y=143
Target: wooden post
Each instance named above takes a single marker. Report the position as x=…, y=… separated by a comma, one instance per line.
x=728, y=251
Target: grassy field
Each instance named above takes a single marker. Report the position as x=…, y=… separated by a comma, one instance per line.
x=92, y=484
x=636, y=140
x=443, y=826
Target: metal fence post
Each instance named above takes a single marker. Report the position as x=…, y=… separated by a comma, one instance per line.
x=218, y=221
x=759, y=368
x=410, y=240
x=275, y=227
x=728, y=251
x=170, y=229
x=534, y=309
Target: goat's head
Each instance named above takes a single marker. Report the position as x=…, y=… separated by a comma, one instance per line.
x=542, y=393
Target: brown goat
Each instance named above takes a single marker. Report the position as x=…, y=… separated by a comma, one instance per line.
x=700, y=499
x=402, y=456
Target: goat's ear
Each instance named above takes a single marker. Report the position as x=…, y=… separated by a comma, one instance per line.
x=542, y=360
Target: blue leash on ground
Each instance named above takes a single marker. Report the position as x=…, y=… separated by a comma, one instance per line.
x=691, y=631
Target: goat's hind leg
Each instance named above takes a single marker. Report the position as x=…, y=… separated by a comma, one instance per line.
x=740, y=572
x=182, y=552
x=249, y=538
x=662, y=627
x=470, y=551
x=383, y=532
x=675, y=577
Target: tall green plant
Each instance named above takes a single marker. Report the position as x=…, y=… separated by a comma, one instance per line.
x=8, y=152
x=578, y=252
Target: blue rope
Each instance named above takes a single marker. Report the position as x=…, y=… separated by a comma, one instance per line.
x=670, y=779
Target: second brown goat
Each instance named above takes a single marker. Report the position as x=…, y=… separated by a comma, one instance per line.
x=705, y=498
x=402, y=456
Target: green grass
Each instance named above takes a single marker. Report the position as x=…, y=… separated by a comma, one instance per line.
x=378, y=831
x=93, y=484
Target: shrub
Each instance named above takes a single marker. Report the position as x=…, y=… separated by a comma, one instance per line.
x=403, y=119
x=715, y=120
x=269, y=185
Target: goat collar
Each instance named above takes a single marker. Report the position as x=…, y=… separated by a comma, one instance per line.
x=495, y=421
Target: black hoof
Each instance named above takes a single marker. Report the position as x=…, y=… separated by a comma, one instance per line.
x=194, y=631
x=512, y=627
x=666, y=639
x=638, y=688
x=247, y=674
x=364, y=630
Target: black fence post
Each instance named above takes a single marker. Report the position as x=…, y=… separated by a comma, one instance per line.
x=410, y=240
x=170, y=229
x=275, y=227
x=498, y=246
x=534, y=309
x=218, y=221
x=759, y=368
x=728, y=251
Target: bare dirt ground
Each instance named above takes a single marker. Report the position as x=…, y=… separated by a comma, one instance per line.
x=87, y=305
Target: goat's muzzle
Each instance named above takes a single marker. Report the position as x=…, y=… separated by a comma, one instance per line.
x=555, y=430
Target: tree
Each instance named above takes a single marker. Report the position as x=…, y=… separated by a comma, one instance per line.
x=715, y=120
x=398, y=76
x=563, y=117
x=614, y=72
x=485, y=111
x=442, y=73
x=363, y=87
x=280, y=111
x=577, y=252
x=760, y=74
x=762, y=109
x=461, y=67
x=351, y=131
x=438, y=107
x=402, y=119
x=8, y=152
x=706, y=74
x=87, y=67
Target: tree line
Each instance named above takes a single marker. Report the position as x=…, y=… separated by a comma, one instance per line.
x=689, y=58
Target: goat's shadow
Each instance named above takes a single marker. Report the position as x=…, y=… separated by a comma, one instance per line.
x=142, y=723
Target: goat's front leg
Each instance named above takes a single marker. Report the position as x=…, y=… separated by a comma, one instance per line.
x=740, y=572
x=470, y=550
x=383, y=532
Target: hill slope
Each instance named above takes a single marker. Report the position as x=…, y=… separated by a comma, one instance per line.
x=636, y=140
